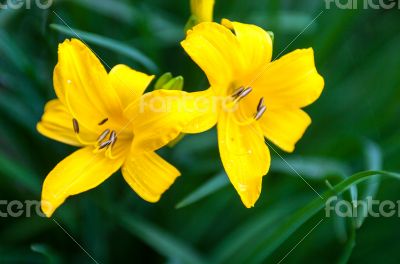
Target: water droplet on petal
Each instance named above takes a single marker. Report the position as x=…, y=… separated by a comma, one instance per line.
x=242, y=187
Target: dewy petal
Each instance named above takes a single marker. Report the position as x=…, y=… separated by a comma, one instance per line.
x=81, y=171
x=284, y=127
x=255, y=43
x=245, y=157
x=291, y=81
x=56, y=123
x=82, y=84
x=149, y=175
x=206, y=105
x=216, y=51
x=159, y=117
x=128, y=83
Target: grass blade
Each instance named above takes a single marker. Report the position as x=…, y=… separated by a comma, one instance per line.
x=211, y=186
x=108, y=43
x=15, y=172
x=373, y=156
x=311, y=168
x=10, y=50
x=350, y=244
x=47, y=252
x=288, y=227
x=234, y=247
x=117, y=10
x=159, y=240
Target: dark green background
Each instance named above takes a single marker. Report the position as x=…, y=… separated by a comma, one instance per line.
x=355, y=128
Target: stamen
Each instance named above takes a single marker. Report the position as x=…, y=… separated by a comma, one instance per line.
x=260, y=112
x=260, y=104
x=75, y=125
x=105, y=144
x=102, y=122
x=103, y=135
x=244, y=93
x=238, y=92
x=113, y=138
x=108, y=143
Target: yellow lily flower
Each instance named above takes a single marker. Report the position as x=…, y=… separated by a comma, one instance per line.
x=202, y=10
x=261, y=98
x=116, y=126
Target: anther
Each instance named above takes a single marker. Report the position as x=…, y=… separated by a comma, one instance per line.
x=237, y=92
x=113, y=138
x=103, y=135
x=102, y=122
x=244, y=93
x=75, y=125
x=105, y=144
x=260, y=104
x=260, y=112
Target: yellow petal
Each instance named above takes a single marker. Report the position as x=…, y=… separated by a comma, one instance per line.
x=56, y=123
x=149, y=175
x=291, y=81
x=202, y=10
x=245, y=157
x=284, y=127
x=128, y=83
x=159, y=117
x=82, y=84
x=216, y=51
x=255, y=43
x=81, y=171
x=206, y=107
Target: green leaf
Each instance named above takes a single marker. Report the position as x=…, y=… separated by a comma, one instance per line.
x=373, y=157
x=25, y=229
x=350, y=244
x=7, y=15
x=208, y=188
x=108, y=43
x=115, y=9
x=310, y=167
x=46, y=251
x=164, y=243
x=283, y=231
x=17, y=173
x=16, y=110
x=234, y=246
x=10, y=50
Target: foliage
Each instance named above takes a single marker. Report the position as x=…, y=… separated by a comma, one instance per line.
x=201, y=219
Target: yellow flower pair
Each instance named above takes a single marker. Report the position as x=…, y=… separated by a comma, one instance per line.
x=117, y=126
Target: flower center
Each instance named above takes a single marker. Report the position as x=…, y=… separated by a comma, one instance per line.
x=105, y=141
x=237, y=96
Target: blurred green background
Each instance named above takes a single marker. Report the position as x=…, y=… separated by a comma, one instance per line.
x=355, y=128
